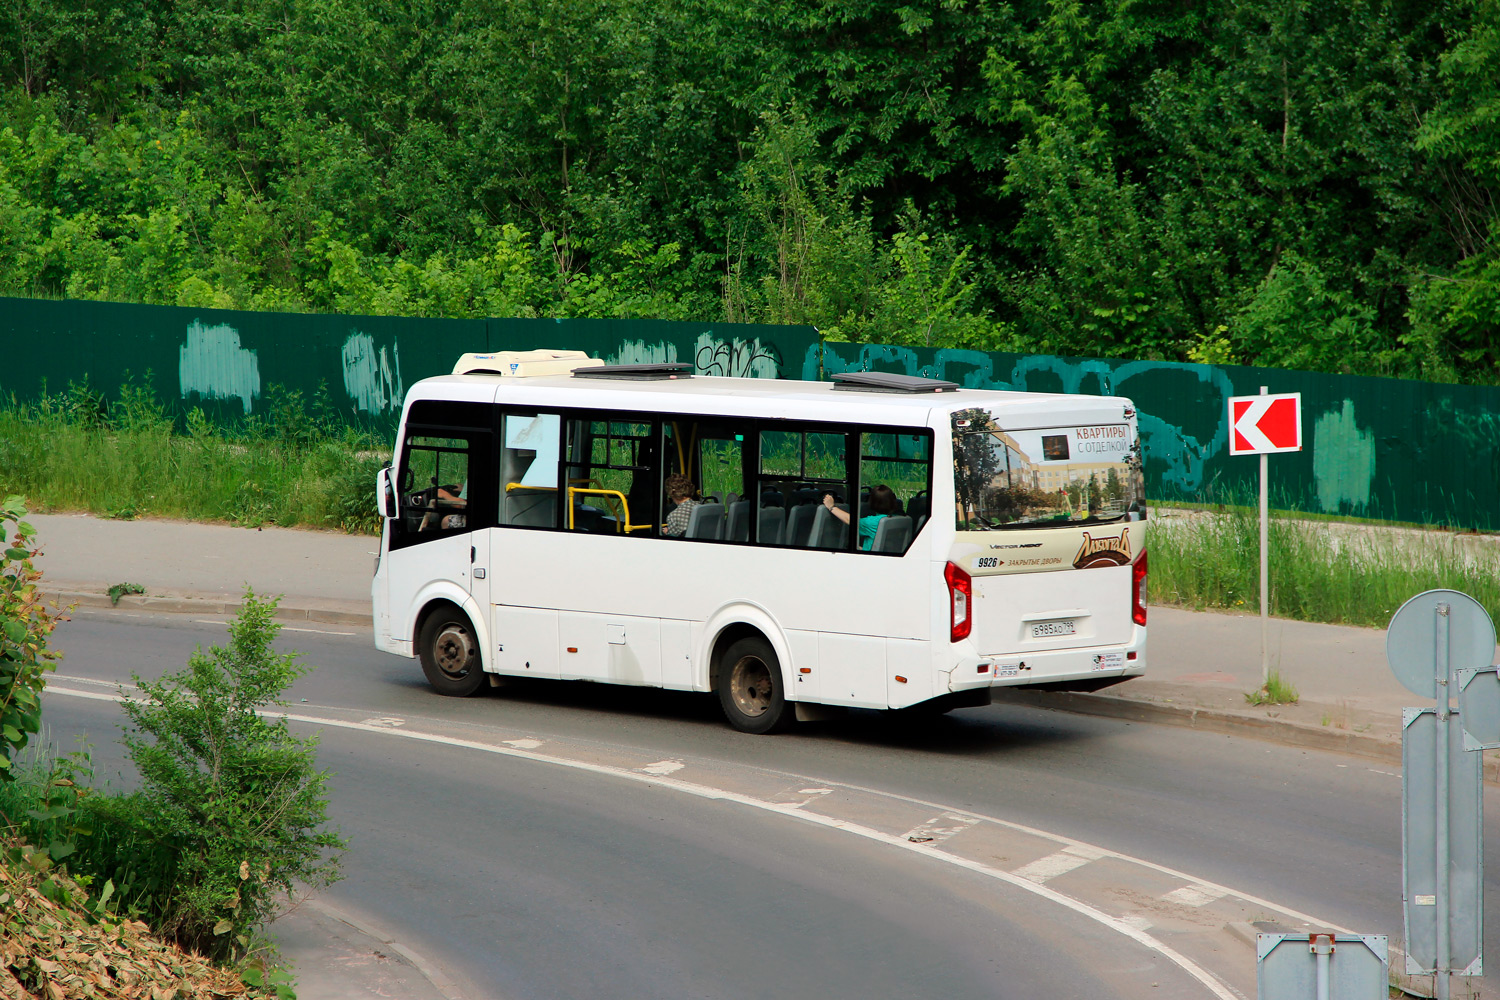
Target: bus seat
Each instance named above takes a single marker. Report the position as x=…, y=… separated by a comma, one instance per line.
x=799, y=521
x=920, y=521
x=892, y=534
x=737, y=528
x=919, y=506
x=828, y=532
x=772, y=521
x=772, y=498
x=706, y=522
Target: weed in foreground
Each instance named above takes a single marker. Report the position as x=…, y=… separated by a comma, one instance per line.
x=1275, y=691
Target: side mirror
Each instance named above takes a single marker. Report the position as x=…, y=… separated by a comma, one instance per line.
x=385, y=493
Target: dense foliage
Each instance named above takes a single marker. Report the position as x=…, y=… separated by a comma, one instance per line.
x=25, y=624
x=1279, y=182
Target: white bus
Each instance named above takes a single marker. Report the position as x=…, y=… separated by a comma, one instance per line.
x=878, y=541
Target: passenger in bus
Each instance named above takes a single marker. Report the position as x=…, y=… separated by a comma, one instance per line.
x=447, y=497
x=883, y=503
x=680, y=491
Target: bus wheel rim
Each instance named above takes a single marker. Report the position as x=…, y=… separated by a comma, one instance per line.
x=750, y=684
x=453, y=651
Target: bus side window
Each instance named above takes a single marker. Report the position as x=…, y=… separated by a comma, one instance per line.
x=711, y=454
x=900, y=461
x=612, y=475
x=797, y=470
x=528, y=469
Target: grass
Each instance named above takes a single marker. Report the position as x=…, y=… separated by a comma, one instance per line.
x=1322, y=572
x=132, y=458
x=1274, y=691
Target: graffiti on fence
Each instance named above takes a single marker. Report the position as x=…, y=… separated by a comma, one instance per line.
x=212, y=364
x=711, y=356
x=1343, y=460
x=1178, y=454
x=735, y=357
x=372, y=377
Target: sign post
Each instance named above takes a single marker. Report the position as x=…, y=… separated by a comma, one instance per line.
x=1433, y=639
x=1261, y=425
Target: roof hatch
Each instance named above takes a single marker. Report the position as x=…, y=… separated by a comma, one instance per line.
x=890, y=382
x=638, y=373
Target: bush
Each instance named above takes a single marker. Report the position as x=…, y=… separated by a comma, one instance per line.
x=25, y=624
x=235, y=797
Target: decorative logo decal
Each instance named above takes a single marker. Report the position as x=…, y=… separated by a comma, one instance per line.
x=1114, y=551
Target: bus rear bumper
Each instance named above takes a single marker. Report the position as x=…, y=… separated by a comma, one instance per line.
x=1085, y=669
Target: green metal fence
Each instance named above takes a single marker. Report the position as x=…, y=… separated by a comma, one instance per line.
x=1382, y=448
x=1379, y=448
x=227, y=362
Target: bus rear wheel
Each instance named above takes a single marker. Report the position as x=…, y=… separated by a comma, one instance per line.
x=450, y=652
x=750, y=687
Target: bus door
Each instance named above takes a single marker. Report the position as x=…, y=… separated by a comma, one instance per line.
x=523, y=600
x=442, y=485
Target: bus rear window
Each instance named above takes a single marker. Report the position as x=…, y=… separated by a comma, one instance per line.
x=1043, y=476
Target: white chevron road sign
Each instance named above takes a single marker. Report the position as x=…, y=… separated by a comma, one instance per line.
x=1260, y=425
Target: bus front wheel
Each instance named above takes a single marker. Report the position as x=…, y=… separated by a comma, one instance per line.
x=750, y=687
x=450, y=652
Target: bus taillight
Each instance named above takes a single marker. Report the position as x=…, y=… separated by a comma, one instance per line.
x=1138, y=590
x=960, y=600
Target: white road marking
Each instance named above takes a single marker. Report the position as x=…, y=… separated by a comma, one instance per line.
x=662, y=768
x=1057, y=864
x=386, y=721
x=319, y=631
x=523, y=744
x=1193, y=895
x=1136, y=920
x=814, y=791
x=940, y=828
x=1102, y=852
x=791, y=810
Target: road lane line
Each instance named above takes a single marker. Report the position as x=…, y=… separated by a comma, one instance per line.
x=1104, y=852
x=1219, y=989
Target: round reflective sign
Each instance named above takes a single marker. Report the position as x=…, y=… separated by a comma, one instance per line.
x=1411, y=639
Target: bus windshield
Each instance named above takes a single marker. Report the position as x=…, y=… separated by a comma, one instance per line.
x=1037, y=477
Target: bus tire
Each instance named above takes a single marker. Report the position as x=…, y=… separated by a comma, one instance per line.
x=450, y=652
x=750, y=687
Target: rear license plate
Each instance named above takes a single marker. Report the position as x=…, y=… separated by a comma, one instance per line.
x=1042, y=630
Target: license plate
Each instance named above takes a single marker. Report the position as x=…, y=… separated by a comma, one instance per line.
x=1041, y=630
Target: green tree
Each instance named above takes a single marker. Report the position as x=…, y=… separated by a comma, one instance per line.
x=234, y=795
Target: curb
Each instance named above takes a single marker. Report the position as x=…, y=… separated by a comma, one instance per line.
x=435, y=976
x=1211, y=720
x=205, y=606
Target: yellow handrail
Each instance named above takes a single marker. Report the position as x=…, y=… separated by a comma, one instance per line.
x=622, y=516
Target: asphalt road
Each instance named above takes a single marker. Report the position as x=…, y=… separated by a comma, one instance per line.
x=526, y=879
